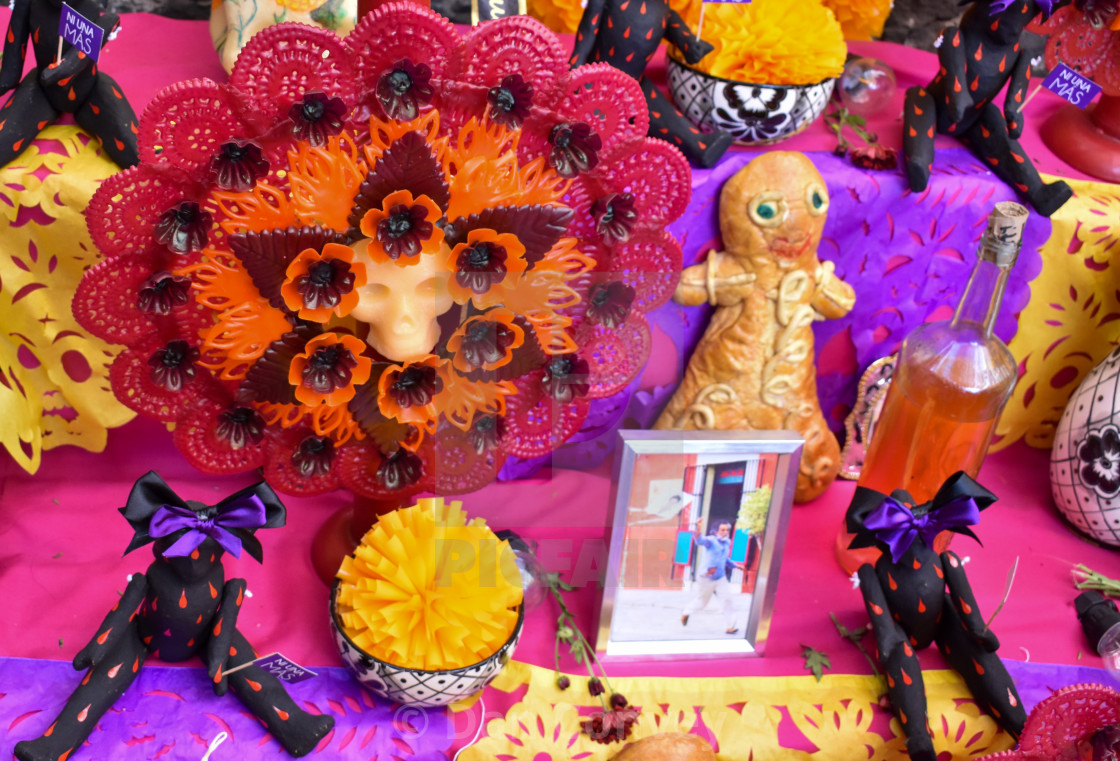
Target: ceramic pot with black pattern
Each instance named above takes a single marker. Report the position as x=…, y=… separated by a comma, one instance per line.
x=419, y=687
x=1085, y=457
x=754, y=114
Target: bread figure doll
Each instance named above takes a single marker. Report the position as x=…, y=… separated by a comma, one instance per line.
x=753, y=368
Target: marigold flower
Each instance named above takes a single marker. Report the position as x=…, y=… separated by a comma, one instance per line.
x=483, y=265
x=240, y=426
x=609, y=304
x=566, y=377
x=317, y=118
x=403, y=228
x=183, y=228
x=510, y=101
x=317, y=285
x=162, y=292
x=874, y=156
x=402, y=89
x=615, y=216
x=610, y=726
x=575, y=148
x=329, y=370
x=408, y=393
x=486, y=341
x=313, y=456
x=238, y=165
x=173, y=364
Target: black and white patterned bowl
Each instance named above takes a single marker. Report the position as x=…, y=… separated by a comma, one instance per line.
x=753, y=114
x=417, y=687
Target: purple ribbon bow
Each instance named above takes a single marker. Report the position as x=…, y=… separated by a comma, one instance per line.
x=246, y=512
x=896, y=525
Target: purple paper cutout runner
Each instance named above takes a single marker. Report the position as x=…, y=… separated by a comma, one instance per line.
x=172, y=713
x=907, y=255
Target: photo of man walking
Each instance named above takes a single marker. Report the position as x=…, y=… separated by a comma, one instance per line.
x=711, y=576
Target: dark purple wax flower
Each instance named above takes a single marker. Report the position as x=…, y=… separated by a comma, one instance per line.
x=238, y=165
x=485, y=432
x=183, y=228
x=329, y=368
x=313, y=456
x=485, y=343
x=575, y=148
x=400, y=469
x=402, y=89
x=316, y=118
x=510, y=101
x=173, y=365
x=162, y=292
x=1100, y=460
x=566, y=377
x=325, y=283
x=615, y=216
x=415, y=386
x=240, y=426
x=480, y=266
x=609, y=304
x=403, y=231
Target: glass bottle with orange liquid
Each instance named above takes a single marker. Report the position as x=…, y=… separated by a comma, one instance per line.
x=950, y=383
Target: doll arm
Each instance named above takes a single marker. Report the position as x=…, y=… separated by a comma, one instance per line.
x=1017, y=89
x=705, y=283
x=15, y=45
x=678, y=34
x=587, y=31
x=114, y=625
x=833, y=298
x=222, y=633
x=960, y=592
x=951, y=54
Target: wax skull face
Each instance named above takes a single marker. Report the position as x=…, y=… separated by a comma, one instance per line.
x=780, y=203
x=401, y=304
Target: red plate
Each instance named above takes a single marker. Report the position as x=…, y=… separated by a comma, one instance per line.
x=459, y=468
x=130, y=375
x=537, y=428
x=610, y=101
x=357, y=466
x=657, y=174
x=616, y=356
x=185, y=125
x=402, y=31
x=650, y=263
x=124, y=210
x=515, y=45
x=197, y=440
x=283, y=475
x=281, y=63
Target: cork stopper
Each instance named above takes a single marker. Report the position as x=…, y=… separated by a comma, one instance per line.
x=1005, y=233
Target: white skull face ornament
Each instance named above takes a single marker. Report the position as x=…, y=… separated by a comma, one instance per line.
x=401, y=304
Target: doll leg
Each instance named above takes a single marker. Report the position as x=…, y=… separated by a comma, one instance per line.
x=107, y=115
x=102, y=686
x=263, y=694
x=905, y=686
x=982, y=671
x=920, y=118
x=23, y=117
x=668, y=123
x=989, y=140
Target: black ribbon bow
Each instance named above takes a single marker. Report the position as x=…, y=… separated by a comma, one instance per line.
x=888, y=522
x=150, y=496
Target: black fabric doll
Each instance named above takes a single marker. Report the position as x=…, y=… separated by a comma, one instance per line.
x=977, y=59
x=626, y=34
x=909, y=606
x=182, y=606
x=73, y=85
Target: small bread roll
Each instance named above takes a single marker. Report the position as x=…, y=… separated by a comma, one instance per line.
x=671, y=746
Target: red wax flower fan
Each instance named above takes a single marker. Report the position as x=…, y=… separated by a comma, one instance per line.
x=385, y=262
x=1077, y=723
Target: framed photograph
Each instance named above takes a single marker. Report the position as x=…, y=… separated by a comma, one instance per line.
x=696, y=534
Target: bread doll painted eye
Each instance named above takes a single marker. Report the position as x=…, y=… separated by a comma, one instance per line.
x=816, y=199
x=768, y=209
